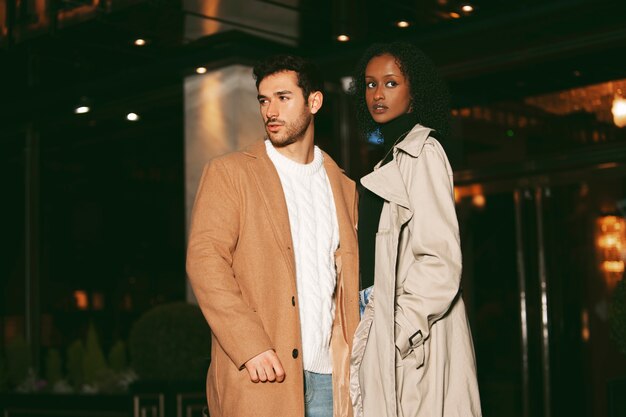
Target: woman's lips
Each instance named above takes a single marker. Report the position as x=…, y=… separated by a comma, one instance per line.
x=379, y=108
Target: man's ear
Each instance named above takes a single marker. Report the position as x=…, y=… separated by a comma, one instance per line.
x=316, y=98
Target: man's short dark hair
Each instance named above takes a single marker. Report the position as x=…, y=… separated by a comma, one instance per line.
x=309, y=79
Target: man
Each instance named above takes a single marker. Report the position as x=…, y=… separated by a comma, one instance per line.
x=272, y=259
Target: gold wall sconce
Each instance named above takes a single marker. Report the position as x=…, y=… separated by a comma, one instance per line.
x=611, y=244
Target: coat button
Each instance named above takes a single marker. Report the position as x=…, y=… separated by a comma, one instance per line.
x=294, y=353
x=293, y=301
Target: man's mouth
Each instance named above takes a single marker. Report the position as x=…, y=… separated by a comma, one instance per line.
x=274, y=126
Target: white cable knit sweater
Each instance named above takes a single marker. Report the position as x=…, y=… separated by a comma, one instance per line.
x=315, y=235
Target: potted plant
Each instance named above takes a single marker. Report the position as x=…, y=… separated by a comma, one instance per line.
x=169, y=351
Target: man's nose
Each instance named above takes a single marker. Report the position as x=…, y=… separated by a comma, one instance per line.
x=272, y=110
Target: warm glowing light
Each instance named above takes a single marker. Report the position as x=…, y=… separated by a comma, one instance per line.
x=82, y=301
x=479, y=201
x=403, y=24
x=201, y=70
x=457, y=195
x=82, y=110
x=455, y=15
x=474, y=192
x=467, y=8
x=140, y=42
x=613, y=266
x=585, y=333
x=619, y=111
x=133, y=117
x=343, y=38
x=610, y=247
x=608, y=241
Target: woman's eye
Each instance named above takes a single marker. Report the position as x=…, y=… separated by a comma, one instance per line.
x=391, y=84
x=371, y=84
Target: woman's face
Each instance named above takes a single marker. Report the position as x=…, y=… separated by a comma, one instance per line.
x=387, y=91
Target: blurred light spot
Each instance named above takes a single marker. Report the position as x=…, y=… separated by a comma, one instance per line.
x=82, y=302
x=585, y=333
x=479, y=201
x=133, y=117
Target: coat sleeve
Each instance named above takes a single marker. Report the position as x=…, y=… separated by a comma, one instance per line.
x=433, y=280
x=213, y=237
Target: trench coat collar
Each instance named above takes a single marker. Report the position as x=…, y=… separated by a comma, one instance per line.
x=386, y=181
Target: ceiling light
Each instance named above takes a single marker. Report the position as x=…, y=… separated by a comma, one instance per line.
x=467, y=8
x=343, y=38
x=403, y=24
x=82, y=109
x=201, y=70
x=140, y=42
x=454, y=15
x=133, y=117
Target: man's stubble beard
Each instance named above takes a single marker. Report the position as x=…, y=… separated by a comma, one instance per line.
x=293, y=131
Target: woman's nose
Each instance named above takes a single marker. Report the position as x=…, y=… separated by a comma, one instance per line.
x=378, y=94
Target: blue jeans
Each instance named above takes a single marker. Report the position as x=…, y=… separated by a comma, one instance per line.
x=318, y=395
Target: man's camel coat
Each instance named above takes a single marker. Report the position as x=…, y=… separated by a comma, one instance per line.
x=241, y=266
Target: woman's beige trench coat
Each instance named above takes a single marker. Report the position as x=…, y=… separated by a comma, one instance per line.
x=423, y=365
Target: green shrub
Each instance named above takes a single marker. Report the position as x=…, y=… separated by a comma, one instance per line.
x=74, y=363
x=18, y=360
x=118, y=360
x=617, y=315
x=54, y=372
x=94, y=363
x=170, y=342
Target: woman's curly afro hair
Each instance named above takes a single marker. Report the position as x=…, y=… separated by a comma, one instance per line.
x=430, y=99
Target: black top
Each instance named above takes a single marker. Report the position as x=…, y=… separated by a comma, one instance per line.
x=371, y=205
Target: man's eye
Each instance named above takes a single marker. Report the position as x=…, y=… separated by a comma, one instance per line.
x=283, y=98
x=262, y=101
x=391, y=84
x=371, y=84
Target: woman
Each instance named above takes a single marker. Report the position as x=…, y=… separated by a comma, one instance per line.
x=413, y=353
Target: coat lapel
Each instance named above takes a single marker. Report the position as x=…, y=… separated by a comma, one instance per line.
x=342, y=202
x=271, y=191
x=387, y=182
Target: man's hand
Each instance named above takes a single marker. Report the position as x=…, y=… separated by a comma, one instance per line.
x=265, y=367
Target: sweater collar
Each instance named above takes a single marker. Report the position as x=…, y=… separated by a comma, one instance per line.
x=285, y=164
